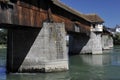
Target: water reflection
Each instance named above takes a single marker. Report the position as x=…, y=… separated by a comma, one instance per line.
x=2, y=76
x=96, y=60
x=96, y=67
x=115, y=57
x=2, y=64
x=109, y=57
x=116, y=60
x=44, y=76
x=82, y=67
x=2, y=73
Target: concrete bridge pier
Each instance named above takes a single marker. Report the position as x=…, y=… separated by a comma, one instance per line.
x=37, y=50
x=93, y=44
x=83, y=43
x=107, y=41
x=96, y=43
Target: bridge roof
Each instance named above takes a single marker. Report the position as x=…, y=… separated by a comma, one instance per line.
x=92, y=18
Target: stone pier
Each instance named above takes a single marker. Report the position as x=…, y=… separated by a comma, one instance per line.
x=37, y=50
x=96, y=43
x=107, y=41
x=84, y=44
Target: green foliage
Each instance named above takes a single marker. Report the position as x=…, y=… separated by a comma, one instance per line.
x=117, y=39
x=3, y=36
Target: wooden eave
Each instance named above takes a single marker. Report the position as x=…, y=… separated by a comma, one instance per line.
x=93, y=18
x=90, y=18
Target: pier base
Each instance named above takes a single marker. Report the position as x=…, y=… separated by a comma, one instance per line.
x=37, y=50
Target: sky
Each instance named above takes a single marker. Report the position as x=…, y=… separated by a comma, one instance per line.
x=108, y=10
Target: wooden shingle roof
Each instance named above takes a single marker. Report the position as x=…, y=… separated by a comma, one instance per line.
x=93, y=18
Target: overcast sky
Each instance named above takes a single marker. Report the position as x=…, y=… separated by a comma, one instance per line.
x=108, y=10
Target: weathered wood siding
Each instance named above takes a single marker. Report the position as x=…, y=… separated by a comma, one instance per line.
x=26, y=14
x=22, y=15
x=30, y=16
x=60, y=19
x=70, y=25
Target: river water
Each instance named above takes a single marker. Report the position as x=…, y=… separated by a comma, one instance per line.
x=82, y=67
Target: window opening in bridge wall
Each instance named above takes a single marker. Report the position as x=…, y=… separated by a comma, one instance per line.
x=76, y=28
x=94, y=25
x=67, y=40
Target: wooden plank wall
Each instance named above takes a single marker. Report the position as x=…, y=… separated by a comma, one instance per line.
x=28, y=15
x=68, y=23
x=22, y=15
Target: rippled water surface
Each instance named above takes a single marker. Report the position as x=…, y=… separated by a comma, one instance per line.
x=82, y=67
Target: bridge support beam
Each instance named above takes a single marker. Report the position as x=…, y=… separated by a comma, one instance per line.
x=35, y=50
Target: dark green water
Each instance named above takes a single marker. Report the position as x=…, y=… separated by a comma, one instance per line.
x=82, y=67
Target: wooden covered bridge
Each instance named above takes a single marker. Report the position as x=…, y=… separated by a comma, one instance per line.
x=41, y=33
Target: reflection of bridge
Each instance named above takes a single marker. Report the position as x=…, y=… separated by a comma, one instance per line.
x=96, y=60
x=37, y=32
